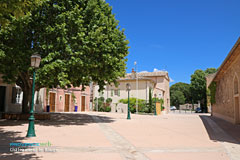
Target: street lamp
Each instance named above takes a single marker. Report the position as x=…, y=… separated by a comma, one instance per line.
x=35, y=62
x=155, y=111
x=128, y=87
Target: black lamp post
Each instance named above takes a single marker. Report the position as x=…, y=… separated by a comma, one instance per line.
x=35, y=62
x=155, y=110
x=128, y=86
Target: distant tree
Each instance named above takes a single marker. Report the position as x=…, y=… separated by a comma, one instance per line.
x=210, y=71
x=184, y=88
x=79, y=42
x=177, y=98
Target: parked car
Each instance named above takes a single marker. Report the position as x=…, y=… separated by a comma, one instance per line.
x=198, y=110
x=172, y=108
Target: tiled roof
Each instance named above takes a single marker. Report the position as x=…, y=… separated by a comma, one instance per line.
x=150, y=74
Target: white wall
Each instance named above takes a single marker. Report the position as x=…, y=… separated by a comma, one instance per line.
x=143, y=90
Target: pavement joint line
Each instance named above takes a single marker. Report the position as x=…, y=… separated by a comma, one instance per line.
x=232, y=150
x=180, y=150
x=125, y=148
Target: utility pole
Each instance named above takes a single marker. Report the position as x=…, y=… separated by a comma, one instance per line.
x=135, y=63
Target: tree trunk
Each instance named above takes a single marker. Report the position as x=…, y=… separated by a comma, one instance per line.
x=26, y=102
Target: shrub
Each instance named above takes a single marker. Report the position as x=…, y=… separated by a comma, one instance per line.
x=108, y=109
x=109, y=100
x=132, y=103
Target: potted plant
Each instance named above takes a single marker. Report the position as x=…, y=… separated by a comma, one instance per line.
x=74, y=102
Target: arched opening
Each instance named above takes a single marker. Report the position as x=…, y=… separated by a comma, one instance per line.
x=236, y=101
x=235, y=86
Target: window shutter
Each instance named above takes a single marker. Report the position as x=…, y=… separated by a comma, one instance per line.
x=119, y=92
x=111, y=92
x=14, y=94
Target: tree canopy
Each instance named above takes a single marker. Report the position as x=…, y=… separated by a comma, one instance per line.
x=79, y=42
x=177, y=98
x=184, y=88
x=14, y=8
x=210, y=71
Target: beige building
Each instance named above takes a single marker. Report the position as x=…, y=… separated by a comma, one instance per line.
x=11, y=97
x=140, y=84
x=227, y=81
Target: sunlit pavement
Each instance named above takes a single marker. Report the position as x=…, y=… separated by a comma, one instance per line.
x=110, y=136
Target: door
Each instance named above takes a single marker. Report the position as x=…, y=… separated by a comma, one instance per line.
x=67, y=103
x=83, y=103
x=52, y=102
x=237, y=110
x=2, y=98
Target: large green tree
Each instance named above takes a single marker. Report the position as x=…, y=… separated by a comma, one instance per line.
x=79, y=42
x=198, y=86
x=184, y=88
x=15, y=8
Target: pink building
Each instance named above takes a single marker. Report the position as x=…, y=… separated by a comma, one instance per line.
x=65, y=100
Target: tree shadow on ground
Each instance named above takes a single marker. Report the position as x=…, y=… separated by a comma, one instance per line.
x=221, y=130
x=62, y=119
x=7, y=137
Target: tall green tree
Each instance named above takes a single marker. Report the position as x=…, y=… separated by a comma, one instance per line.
x=198, y=86
x=177, y=98
x=150, y=101
x=184, y=88
x=79, y=42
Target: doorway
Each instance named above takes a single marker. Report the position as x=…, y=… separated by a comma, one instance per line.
x=236, y=101
x=83, y=103
x=237, y=109
x=67, y=103
x=52, y=102
x=2, y=98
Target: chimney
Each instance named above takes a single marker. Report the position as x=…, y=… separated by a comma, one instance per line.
x=133, y=73
x=133, y=70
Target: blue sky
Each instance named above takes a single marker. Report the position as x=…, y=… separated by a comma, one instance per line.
x=179, y=36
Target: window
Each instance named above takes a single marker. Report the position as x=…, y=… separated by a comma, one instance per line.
x=16, y=95
x=37, y=97
x=117, y=92
x=235, y=85
x=111, y=92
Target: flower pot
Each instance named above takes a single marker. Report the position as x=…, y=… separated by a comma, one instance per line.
x=75, y=108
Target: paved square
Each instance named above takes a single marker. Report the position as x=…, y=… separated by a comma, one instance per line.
x=109, y=136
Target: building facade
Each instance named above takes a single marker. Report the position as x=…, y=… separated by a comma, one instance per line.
x=11, y=97
x=140, y=85
x=227, y=81
x=65, y=100
x=58, y=100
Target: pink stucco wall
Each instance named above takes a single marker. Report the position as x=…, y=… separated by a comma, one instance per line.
x=60, y=98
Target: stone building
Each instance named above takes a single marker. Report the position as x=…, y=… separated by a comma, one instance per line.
x=227, y=80
x=140, y=84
